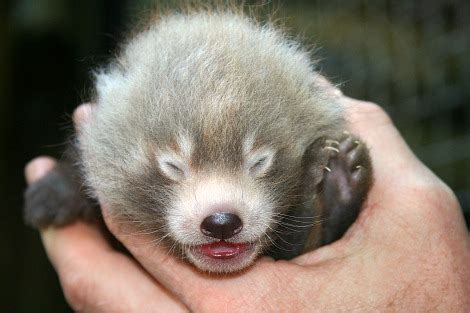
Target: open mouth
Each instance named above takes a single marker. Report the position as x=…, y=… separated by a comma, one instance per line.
x=223, y=256
x=223, y=249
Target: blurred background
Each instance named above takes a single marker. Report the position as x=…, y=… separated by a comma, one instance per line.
x=412, y=57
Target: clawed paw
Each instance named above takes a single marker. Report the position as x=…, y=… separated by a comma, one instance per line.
x=346, y=181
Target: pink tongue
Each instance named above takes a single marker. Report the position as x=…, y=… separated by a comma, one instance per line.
x=223, y=250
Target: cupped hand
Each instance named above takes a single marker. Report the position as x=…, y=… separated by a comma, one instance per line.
x=408, y=250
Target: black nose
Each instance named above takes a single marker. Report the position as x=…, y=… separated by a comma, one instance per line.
x=221, y=225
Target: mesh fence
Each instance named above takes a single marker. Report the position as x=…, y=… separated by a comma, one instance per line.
x=411, y=57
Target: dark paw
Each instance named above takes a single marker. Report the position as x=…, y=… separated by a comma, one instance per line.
x=54, y=200
x=345, y=184
x=348, y=171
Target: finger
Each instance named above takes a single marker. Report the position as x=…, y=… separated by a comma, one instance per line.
x=392, y=159
x=96, y=278
x=38, y=168
x=394, y=164
x=173, y=273
x=325, y=85
x=87, y=265
x=371, y=123
x=82, y=115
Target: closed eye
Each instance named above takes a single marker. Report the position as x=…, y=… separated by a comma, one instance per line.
x=260, y=162
x=172, y=167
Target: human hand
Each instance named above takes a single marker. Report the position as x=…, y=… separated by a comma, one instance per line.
x=409, y=249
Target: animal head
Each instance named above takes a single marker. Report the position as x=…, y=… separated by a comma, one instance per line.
x=199, y=133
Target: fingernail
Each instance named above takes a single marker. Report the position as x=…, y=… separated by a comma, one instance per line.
x=38, y=168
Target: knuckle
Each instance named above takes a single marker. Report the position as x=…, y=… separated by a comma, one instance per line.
x=433, y=200
x=374, y=109
x=363, y=110
x=433, y=191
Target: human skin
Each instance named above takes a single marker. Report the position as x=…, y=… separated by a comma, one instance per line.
x=409, y=250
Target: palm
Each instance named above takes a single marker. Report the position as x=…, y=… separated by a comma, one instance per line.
x=408, y=248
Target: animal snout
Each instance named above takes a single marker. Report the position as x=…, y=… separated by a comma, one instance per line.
x=221, y=225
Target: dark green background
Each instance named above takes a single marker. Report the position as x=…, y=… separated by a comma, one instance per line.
x=409, y=56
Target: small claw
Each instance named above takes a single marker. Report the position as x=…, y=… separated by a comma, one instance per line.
x=326, y=168
x=332, y=142
x=331, y=148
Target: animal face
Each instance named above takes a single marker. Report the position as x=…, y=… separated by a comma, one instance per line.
x=214, y=193
x=221, y=213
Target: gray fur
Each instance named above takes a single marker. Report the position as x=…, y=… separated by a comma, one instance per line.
x=215, y=79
